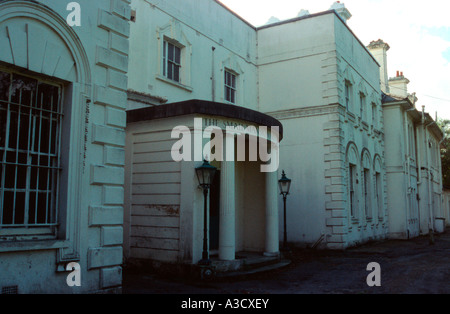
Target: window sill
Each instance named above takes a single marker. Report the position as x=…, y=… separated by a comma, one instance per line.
x=230, y=103
x=174, y=83
x=365, y=125
x=350, y=117
x=32, y=245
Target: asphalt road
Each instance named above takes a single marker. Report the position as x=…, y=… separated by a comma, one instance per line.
x=407, y=267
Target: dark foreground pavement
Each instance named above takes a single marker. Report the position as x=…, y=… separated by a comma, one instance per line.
x=407, y=267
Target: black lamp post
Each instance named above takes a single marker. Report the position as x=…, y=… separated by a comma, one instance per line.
x=285, y=185
x=205, y=175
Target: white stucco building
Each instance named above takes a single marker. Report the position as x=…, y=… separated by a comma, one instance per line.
x=412, y=150
x=62, y=119
x=311, y=73
x=87, y=120
x=331, y=112
x=190, y=68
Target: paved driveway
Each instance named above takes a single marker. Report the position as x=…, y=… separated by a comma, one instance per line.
x=407, y=267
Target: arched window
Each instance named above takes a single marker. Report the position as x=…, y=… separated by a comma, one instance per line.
x=378, y=189
x=367, y=183
x=43, y=95
x=352, y=162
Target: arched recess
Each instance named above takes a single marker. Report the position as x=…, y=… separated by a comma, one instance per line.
x=37, y=41
x=366, y=160
x=348, y=75
x=35, y=37
x=362, y=88
x=352, y=154
x=377, y=164
x=352, y=165
x=367, y=183
x=379, y=190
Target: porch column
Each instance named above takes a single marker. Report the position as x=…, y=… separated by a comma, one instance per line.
x=227, y=225
x=272, y=236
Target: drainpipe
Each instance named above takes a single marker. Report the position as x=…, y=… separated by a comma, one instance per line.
x=408, y=169
x=213, y=76
x=407, y=166
x=430, y=227
x=419, y=156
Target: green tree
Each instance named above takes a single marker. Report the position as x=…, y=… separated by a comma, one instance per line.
x=445, y=151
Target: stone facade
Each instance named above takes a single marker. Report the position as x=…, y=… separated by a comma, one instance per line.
x=335, y=125
x=297, y=76
x=120, y=194
x=412, y=154
x=91, y=62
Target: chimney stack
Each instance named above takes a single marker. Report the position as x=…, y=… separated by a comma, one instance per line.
x=379, y=51
x=399, y=85
x=303, y=13
x=341, y=10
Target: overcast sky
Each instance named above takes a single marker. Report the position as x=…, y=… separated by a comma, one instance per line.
x=418, y=33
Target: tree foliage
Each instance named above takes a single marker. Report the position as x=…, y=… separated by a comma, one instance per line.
x=445, y=151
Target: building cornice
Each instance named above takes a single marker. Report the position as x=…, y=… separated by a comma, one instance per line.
x=307, y=112
x=203, y=107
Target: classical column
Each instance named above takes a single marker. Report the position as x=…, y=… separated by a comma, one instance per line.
x=227, y=232
x=272, y=236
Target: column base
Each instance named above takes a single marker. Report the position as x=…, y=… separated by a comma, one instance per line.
x=273, y=254
x=227, y=253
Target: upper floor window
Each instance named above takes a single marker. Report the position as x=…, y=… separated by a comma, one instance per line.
x=374, y=115
x=230, y=87
x=362, y=106
x=30, y=155
x=171, y=61
x=348, y=94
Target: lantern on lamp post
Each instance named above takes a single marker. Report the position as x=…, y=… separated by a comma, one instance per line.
x=285, y=185
x=205, y=175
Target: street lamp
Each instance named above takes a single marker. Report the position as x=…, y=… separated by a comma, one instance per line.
x=285, y=185
x=205, y=175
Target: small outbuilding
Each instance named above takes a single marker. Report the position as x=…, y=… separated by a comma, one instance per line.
x=164, y=205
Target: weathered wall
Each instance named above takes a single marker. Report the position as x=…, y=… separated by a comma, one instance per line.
x=199, y=27
x=303, y=66
x=91, y=230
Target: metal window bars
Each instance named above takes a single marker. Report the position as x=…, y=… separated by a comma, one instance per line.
x=30, y=136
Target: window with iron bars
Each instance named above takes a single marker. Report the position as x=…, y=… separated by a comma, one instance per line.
x=30, y=141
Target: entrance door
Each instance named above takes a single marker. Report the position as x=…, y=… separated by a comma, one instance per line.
x=214, y=210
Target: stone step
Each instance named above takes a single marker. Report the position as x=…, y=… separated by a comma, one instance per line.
x=255, y=270
x=259, y=262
